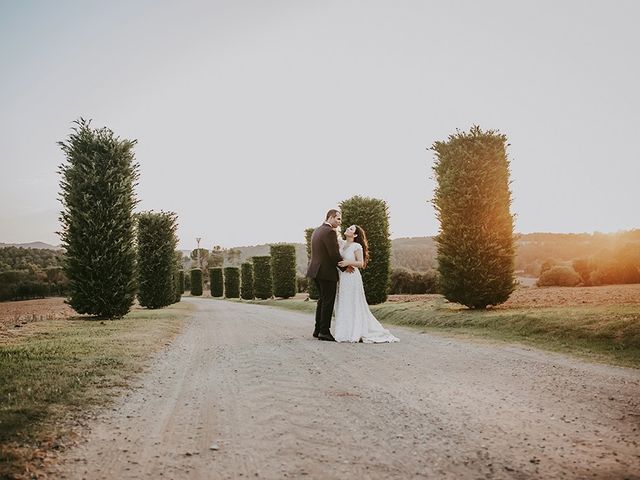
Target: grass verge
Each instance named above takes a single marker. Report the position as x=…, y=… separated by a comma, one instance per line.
x=609, y=334
x=56, y=370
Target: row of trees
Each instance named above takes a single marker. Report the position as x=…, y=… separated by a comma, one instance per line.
x=31, y=273
x=217, y=257
x=112, y=255
x=618, y=266
x=264, y=277
x=405, y=282
x=475, y=244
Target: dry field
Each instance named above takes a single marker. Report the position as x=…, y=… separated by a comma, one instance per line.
x=56, y=367
x=15, y=315
x=527, y=297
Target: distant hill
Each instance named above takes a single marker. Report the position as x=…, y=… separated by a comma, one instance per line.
x=41, y=245
x=414, y=253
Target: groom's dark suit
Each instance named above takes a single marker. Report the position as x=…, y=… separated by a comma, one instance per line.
x=325, y=255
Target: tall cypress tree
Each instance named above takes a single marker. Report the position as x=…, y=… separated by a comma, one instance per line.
x=283, y=270
x=196, y=282
x=372, y=215
x=97, y=192
x=246, y=285
x=472, y=201
x=157, y=242
x=262, y=280
x=179, y=276
x=311, y=285
x=216, y=282
x=232, y=282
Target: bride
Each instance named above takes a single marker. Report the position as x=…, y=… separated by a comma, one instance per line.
x=354, y=321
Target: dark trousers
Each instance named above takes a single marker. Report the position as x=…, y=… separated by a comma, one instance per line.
x=324, y=309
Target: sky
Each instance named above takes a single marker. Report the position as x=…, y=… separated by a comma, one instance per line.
x=253, y=118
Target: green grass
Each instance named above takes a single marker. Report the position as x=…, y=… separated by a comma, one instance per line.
x=608, y=334
x=60, y=368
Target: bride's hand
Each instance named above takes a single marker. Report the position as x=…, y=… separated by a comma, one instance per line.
x=343, y=263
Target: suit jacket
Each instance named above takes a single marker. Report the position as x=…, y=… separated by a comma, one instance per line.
x=325, y=254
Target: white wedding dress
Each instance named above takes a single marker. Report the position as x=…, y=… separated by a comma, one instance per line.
x=354, y=321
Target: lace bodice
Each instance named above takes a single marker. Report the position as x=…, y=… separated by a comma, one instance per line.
x=348, y=251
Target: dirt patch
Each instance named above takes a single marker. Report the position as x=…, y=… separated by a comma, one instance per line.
x=15, y=315
x=527, y=297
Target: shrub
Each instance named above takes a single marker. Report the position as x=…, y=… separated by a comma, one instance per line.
x=560, y=276
x=9, y=281
x=31, y=289
x=373, y=216
x=216, y=282
x=472, y=201
x=232, y=282
x=179, y=276
x=196, y=282
x=405, y=281
x=547, y=265
x=246, y=288
x=617, y=266
x=283, y=270
x=311, y=285
x=262, y=281
x=98, y=228
x=584, y=268
x=187, y=282
x=156, y=247
x=181, y=282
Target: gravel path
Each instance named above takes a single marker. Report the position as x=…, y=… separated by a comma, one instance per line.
x=246, y=392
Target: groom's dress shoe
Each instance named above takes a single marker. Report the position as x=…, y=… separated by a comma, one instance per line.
x=315, y=334
x=327, y=337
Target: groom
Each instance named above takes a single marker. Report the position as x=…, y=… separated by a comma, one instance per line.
x=325, y=255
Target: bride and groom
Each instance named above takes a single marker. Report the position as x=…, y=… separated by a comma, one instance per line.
x=335, y=268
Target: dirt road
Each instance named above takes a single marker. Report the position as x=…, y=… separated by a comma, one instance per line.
x=246, y=392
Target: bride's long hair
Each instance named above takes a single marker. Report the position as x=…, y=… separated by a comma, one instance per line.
x=361, y=238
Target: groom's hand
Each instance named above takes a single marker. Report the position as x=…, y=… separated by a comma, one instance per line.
x=350, y=269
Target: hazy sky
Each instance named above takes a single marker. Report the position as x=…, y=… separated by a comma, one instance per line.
x=255, y=117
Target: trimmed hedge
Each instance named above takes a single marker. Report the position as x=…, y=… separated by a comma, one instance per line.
x=181, y=281
x=16, y=285
x=262, y=281
x=97, y=191
x=372, y=215
x=196, y=282
x=311, y=285
x=216, y=282
x=476, y=252
x=246, y=287
x=404, y=281
x=156, y=246
x=232, y=282
x=283, y=270
x=179, y=285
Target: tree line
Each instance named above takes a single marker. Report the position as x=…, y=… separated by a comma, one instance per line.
x=113, y=256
